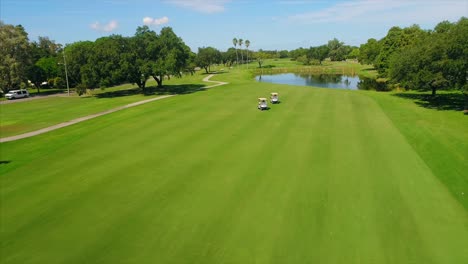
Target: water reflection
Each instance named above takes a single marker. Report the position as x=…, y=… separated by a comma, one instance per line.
x=372, y=84
x=336, y=81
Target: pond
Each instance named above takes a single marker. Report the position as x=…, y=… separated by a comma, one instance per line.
x=335, y=81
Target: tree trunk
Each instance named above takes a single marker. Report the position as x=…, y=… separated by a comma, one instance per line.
x=206, y=69
x=141, y=84
x=159, y=80
x=38, y=85
x=433, y=91
x=247, y=51
x=237, y=58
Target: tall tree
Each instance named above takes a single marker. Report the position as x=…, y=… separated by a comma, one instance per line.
x=395, y=39
x=145, y=44
x=353, y=54
x=295, y=54
x=229, y=57
x=43, y=67
x=235, y=42
x=191, y=62
x=106, y=60
x=79, y=72
x=207, y=57
x=247, y=44
x=319, y=53
x=171, y=55
x=241, y=41
x=369, y=51
x=44, y=47
x=337, y=50
x=36, y=75
x=260, y=56
x=14, y=56
x=49, y=66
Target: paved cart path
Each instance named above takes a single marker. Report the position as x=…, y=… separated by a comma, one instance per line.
x=84, y=118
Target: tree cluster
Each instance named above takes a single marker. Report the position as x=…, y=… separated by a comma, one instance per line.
x=335, y=50
x=106, y=62
x=239, y=42
x=418, y=59
x=24, y=63
x=114, y=60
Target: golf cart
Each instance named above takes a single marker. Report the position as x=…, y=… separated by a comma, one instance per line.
x=262, y=104
x=274, y=99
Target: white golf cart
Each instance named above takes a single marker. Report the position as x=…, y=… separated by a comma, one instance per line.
x=262, y=104
x=274, y=99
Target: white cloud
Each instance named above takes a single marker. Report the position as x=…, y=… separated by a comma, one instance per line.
x=111, y=26
x=375, y=11
x=203, y=6
x=155, y=21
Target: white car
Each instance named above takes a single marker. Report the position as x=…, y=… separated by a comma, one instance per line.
x=14, y=94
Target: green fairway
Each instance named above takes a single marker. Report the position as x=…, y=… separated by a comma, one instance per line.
x=327, y=176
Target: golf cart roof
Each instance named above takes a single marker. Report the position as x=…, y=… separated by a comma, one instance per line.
x=274, y=93
x=262, y=99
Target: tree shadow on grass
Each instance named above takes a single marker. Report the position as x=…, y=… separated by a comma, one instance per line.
x=446, y=101
x=44, y=92
x=119, y=93
x=154, y=90
x=179, y=89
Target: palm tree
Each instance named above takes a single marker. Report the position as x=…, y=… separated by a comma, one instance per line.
x=241, y=41
x=234, y=41
x=247, y=44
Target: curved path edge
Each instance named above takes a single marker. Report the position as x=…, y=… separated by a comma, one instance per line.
x=218, y=83
x=84, y=118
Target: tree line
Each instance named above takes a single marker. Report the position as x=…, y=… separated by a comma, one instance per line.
x=23, y=62
x=418, y=59
x=115, y=59
x=410, y=58
x=106, y=62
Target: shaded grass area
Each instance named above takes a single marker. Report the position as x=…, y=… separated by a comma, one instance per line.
x=454, y=100
x=42, y=92
x=326, y=176
x=166, y=89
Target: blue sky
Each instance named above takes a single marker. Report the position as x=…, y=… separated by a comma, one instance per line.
x=274, y=24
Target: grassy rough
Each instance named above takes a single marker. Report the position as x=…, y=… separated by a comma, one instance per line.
x=21, y=117
x=327, y=176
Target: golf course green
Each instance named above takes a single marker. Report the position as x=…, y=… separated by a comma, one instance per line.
x=326, y=176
